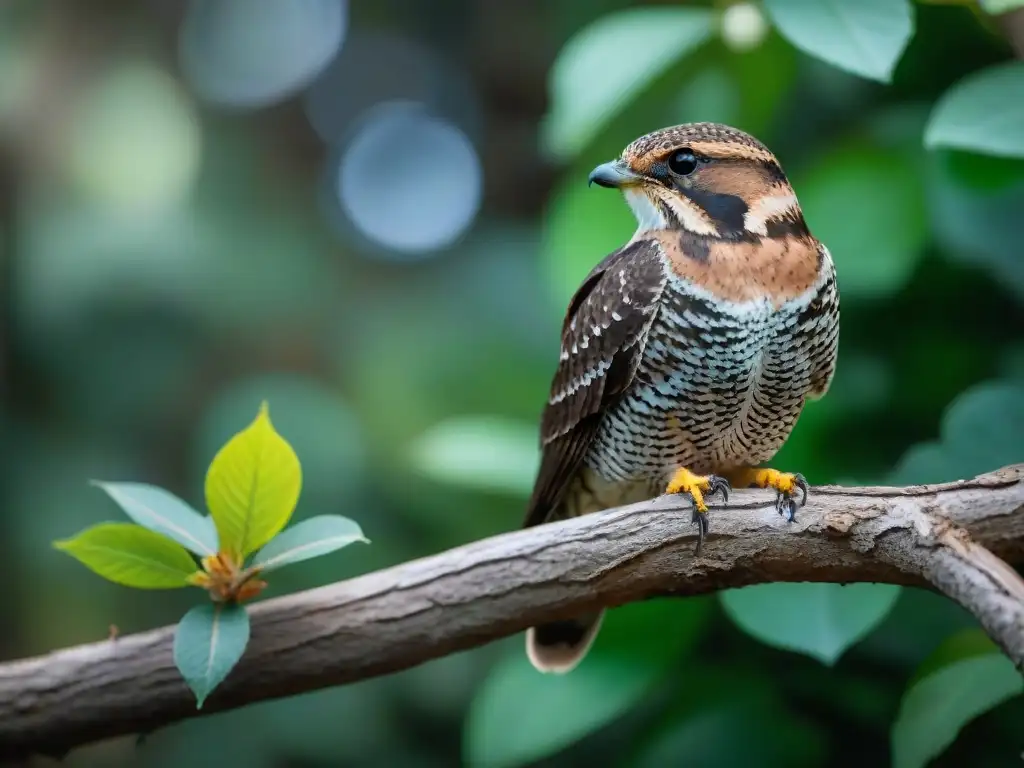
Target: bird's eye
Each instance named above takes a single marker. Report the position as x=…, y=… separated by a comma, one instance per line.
x=682, y=163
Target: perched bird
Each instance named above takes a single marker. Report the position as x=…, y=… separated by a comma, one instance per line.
x=687, y=355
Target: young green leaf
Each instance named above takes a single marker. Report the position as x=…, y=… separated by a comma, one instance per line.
x=311, y=538
x=820, y=620
x=252, y=487
x=591, y=80
x=945, y=698
x=165, y=513
x=865, y=37
x=983, y=112
x=208, y=642
x=131, y=555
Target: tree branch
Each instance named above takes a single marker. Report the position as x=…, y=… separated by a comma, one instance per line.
x=948, y=537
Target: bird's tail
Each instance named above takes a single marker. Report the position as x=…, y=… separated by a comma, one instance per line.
x=560, y=645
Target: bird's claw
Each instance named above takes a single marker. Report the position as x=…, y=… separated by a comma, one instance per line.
x=784, y=501
x=715, y=484
x=699, y=488
x=701, y=519
x=718, y=484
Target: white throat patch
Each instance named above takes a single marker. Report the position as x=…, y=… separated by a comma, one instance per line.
x=648, y=216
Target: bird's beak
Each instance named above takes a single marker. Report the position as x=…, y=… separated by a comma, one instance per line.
x=613, y=175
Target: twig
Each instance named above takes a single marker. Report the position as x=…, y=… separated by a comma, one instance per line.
x=949, y=537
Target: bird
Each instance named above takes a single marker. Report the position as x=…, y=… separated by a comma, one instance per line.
x=688, y=354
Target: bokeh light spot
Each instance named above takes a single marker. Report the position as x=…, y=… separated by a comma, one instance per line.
x=134, y=141
x=409, y=181
x=376, y=67
x=253, y=53
x=744, y=27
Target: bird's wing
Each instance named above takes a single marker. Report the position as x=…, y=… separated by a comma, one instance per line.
x=603, y=338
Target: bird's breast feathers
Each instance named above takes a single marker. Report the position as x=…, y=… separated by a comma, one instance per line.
x=778, y=270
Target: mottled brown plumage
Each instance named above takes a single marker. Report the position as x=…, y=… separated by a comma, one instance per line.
x=688, y=354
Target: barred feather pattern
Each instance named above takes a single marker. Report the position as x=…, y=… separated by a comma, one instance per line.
x=603, y=338
x=720, y=384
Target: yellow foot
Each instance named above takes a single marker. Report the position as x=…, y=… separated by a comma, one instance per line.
x=696, y=486
x=785, y=484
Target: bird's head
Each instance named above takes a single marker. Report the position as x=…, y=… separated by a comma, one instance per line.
x=709, y=179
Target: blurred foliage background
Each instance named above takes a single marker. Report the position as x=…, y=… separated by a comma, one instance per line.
x=372, y=214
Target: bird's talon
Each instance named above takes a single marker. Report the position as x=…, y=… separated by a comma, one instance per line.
x=718, y=484
x=785, y=485
x=698, y=488
x=701, y=519
x=801, y=482
x=787, y=507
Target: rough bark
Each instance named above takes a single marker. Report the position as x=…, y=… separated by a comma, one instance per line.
x=956, y=538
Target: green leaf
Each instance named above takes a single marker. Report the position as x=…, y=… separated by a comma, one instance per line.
x=707, y=737
x=820, y=620
x=482, y=452
x=983, y=428
x=983, y=175
x=252, y=487
x=607, y=63
x=958, y=646
x=846, y=208
x=976, y=216
x=945, y=698
x=208, y=642
x=131, y=555
x=163, y=512
x=311, y=538
x=865, y=37
x=321, y=428
x=980, y=432
x=1000, y=6
x=519, y=714
x=983, y=112
x=924, y=463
